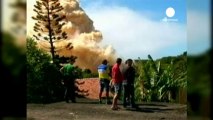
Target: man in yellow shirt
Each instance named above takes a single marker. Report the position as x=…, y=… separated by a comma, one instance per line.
x=104, y=77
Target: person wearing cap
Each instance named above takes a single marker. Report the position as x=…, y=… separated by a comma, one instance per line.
x=103, y=72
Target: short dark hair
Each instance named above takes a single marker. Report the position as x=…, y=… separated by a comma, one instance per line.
x=129, y=60
x=104, y=61
x=119, y=60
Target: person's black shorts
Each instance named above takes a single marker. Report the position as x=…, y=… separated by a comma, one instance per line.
x=104, y=83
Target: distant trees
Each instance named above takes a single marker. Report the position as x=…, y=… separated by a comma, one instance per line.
x=87, y=73
x=49, y=23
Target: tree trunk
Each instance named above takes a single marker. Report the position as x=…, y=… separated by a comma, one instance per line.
x=50, y=34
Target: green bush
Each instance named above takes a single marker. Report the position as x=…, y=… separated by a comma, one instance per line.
x=160, y=80
x=43, y=77
x=87, y=73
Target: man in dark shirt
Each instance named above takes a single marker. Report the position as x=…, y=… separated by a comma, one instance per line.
x=128, y=84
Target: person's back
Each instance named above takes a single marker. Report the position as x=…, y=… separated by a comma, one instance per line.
x=116, y=74
x=104, y=77
x=130, y=75
x=68, y=70
x=68, y=73
x=103, y=71
x=117, y=79
x=69, y=81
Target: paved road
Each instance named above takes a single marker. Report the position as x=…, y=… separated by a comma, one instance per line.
x=86, y=109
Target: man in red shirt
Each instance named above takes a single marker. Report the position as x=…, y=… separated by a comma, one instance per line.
x=117, y=79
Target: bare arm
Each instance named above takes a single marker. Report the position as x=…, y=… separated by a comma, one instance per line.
x=62, y=80
x=61, y=70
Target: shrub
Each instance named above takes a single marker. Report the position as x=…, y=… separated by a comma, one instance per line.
x=43, y=77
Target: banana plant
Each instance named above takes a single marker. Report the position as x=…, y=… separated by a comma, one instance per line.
x=158, y=82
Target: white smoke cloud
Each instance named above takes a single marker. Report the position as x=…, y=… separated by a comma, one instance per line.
x=134, y=34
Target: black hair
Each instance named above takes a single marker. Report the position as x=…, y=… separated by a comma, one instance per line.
x=119, y=60
x=104, y=61
x=129, y=60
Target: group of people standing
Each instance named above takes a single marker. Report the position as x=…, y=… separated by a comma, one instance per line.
x=114, y=78
x=117, y=80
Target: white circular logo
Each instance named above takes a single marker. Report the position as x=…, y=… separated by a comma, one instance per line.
x=170, y=12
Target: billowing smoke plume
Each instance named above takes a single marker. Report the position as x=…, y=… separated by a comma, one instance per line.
x=82, y=35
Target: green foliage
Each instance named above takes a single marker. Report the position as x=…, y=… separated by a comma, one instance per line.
x=157, y=80
x=139, y=81
x=13, y=77
x=43, y=77
x=87, y=73
x=198, y=74
x=48, y=25
x=13, y=57
x=63, y=60
x=199, y=84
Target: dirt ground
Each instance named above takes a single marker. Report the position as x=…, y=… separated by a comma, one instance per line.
x=87, y=109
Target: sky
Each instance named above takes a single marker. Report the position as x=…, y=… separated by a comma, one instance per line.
x=135, y=28
x=198, y=26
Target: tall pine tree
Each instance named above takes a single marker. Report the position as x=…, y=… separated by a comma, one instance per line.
x=48, y=25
